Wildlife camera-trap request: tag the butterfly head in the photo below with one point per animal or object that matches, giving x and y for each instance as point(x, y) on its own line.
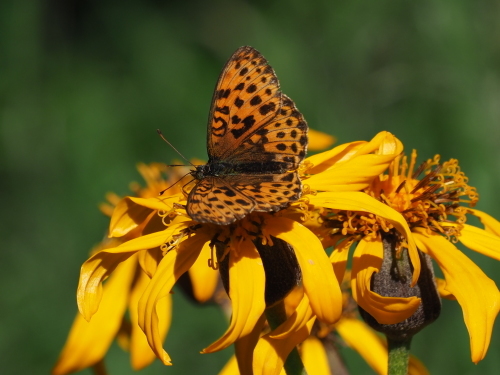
point(201, 171)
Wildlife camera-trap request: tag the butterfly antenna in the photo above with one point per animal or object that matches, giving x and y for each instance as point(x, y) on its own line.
point(175, 183)
point(170, 144)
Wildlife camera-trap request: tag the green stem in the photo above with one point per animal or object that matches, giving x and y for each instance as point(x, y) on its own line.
point(275, 316)
point(399, 356)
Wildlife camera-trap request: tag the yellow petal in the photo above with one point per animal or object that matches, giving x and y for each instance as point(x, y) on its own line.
point(295, 321)
point(231, 367)
point(314, 357)
point(443, 292)
point(360, 169)
point(246, 290)
point(271, 354)
point(318, 278)
point(491, 224)
point(475, 292)
point(416, 367)
point(319, 140)
point(173, 265)
point(386, 310)
point(132, 212)
point(358, 201)
point(101, 264)
point(480, 240)
point(141, 354)
point(324, 160)
point(244, 346)
point(358, 336)
point(88, 342)
point(339, 258)
point(203, 277)
point(126, 217)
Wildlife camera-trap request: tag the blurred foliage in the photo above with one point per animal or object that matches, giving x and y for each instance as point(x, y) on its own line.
point(84, 85)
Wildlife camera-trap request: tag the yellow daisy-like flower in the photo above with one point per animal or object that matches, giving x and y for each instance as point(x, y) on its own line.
point(432, 207)
point(176, 244)
point(88, 342)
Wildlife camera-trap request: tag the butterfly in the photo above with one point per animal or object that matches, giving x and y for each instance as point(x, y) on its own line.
point(256, 139)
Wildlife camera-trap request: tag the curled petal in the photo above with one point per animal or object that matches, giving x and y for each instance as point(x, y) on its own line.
point(173, 265)
point(491, 224)
point(315, 357)
point(475, 292)
point(355, 172)
point(246, 290)
point(126, 217)
point(88, 342)
point(141, 354)
point(386, 310)
point(203, 278)
point(358, 201)
point(480, 240)
point(443, 292)
point(320, 283)
point(324, 160)
point(319, 140)
point(102, 264)
point(270, 354)
point(295, 321)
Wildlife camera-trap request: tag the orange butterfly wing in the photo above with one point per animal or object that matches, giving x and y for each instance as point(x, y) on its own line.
point(256, 138)
point(226, 199)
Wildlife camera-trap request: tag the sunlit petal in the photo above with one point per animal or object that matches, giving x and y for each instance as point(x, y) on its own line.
point(358, 336)
point(386, 310)
point(244, 346)
point(360, 169)
point(443, 292)
point(246, 290)
point(88, 342)
point(231, 367)
point(295, 321)
point(203, 278)
point(141, 354)
point(320, 283)
point(314, 357)
point(475, 292)
point(480, 240)
point(491, 224)
point(339, 256)
point(101, 264)
point(271, 354)
point(358, 201)
point(173, 265)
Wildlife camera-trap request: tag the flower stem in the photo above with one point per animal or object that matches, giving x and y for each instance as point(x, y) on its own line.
point(275, 316)
point(399, 356)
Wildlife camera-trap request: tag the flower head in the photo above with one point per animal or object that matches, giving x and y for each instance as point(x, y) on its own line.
point(433, 207)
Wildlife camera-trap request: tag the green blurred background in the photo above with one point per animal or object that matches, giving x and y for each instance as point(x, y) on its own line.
point(85, 84)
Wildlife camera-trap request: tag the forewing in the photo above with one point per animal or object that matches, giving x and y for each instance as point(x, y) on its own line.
point(246, 97)
point(215, 201)
point(283, 139)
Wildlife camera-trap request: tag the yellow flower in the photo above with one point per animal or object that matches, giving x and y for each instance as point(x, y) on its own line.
point(318, 344)
point(175, 243)
point(432, 207)
point(88, 342)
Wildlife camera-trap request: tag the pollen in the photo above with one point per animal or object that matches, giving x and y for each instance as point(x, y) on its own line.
point(429, 196)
